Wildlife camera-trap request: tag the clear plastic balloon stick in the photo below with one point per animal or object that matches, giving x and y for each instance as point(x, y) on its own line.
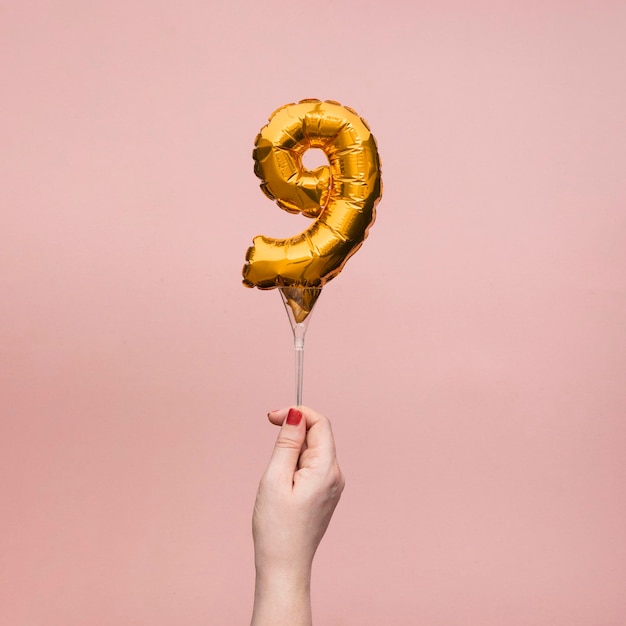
point(299, 330)
point(299, 303)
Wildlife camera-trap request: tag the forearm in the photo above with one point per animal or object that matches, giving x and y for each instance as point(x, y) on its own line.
point(282, 598)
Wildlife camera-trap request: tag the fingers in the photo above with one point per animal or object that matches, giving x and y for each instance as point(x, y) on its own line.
point(284, 460)
point(319, 435)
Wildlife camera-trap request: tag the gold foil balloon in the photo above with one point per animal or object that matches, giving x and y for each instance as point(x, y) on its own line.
point(341, 197)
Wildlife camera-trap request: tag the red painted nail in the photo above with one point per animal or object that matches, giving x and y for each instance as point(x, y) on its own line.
point(293, 417)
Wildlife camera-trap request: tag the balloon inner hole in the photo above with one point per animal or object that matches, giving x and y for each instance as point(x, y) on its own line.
point(314, 157)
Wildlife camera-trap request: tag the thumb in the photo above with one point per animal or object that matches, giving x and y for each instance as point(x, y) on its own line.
point(284, 460)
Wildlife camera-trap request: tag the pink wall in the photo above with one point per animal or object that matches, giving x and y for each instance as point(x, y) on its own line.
point(472, 355)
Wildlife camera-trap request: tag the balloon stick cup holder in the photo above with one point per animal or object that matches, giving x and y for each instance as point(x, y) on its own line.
point(299, 303)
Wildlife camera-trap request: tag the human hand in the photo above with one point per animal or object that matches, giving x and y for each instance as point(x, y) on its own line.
point(295, 501)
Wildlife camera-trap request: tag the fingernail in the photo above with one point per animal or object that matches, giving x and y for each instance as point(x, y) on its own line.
point(293, 417)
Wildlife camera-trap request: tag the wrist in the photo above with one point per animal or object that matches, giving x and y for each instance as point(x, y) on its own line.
point(289, 576)
point(289, 562)
point(282, 596)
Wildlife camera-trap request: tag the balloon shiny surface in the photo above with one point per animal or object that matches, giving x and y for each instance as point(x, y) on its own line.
point(340, 197)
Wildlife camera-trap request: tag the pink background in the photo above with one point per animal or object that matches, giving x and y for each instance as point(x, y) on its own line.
point(472, 355)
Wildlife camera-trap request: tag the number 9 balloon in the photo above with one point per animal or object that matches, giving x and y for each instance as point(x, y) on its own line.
point(341, 196)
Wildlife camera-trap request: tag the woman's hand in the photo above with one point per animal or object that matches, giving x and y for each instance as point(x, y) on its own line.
point(295, 501)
